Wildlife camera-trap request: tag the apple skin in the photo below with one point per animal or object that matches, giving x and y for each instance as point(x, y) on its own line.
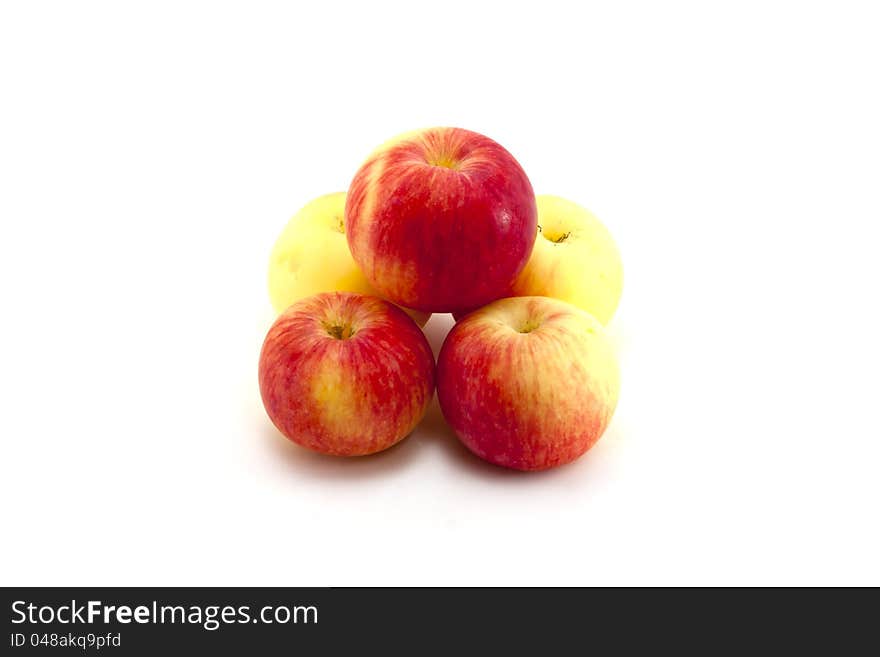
point(345, 374)
point(311, 255)
point(441, 219)
point(528, 383)
point(575, 259)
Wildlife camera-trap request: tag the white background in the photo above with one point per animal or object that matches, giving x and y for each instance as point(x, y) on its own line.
point(150, 153)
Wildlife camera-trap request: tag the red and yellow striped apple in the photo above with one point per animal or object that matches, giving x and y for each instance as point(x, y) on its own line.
point(311, 256)
point(345, 374)
point(528, 382)
point(441, 219)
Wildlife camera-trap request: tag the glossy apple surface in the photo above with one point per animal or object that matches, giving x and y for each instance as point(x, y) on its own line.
point(441, 219)
point(528, 383)
point(345, 374)
point(311, 255)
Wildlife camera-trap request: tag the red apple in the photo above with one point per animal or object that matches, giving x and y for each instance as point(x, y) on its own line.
point(441, 219)
point(528, 382)
point(345, 374)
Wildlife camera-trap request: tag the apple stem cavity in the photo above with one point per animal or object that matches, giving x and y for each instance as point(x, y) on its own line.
point(339, 331)
point(550, 238)
point(446, 164)
point(530, 325)
point(444, 161)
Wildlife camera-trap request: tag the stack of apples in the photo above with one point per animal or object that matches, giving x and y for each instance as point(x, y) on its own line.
point(443, 220)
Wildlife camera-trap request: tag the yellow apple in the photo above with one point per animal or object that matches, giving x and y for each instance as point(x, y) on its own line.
point(574, 259)
point(311, 256)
